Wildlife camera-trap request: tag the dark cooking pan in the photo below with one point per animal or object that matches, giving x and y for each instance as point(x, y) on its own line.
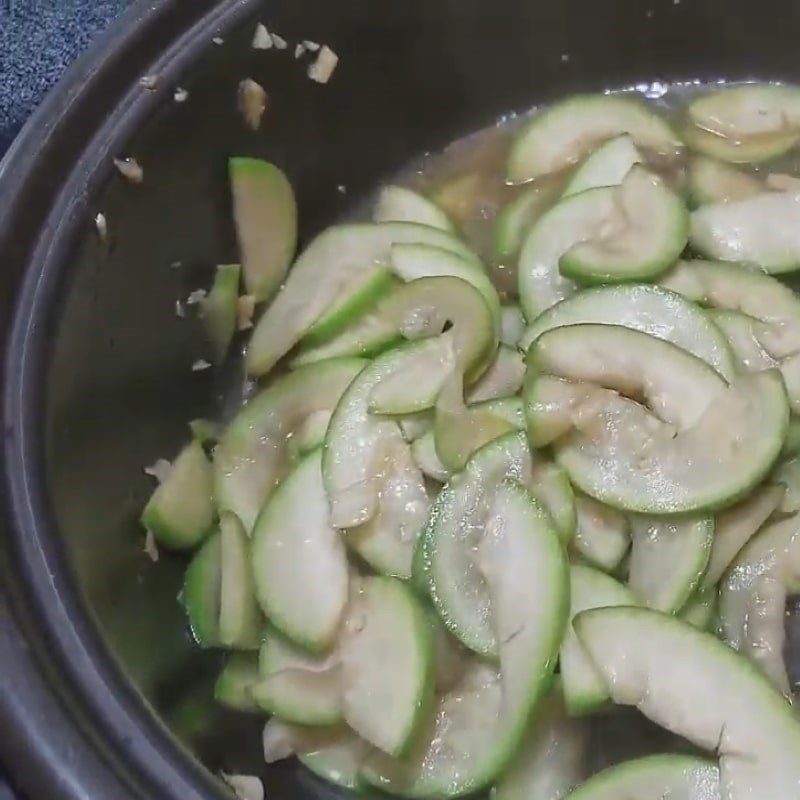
point(101, 693)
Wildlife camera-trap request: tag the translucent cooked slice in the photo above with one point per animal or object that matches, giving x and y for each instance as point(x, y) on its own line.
point(748, 123)
point(566, 131)
point(649, 309)
point(694, 685)
point(325, 272)
point(623, 458)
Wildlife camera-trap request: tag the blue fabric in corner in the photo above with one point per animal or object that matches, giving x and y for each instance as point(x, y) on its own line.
point(38, 40)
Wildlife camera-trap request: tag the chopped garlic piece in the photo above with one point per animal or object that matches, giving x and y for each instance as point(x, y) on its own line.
point(245, 787)
point(159, 469)
point(102, 226)
point(195, 297)
point(150, 82)
point(322, 69)
point(218, 40)
point(180, 311)
point(200, 365)
point(245, 306)
point(299, 50)
point(261, 38)
point(130, 168)
point(252, 102)
point(181, 95)
point(150, 546)
point(310, 46)
point(279, 42)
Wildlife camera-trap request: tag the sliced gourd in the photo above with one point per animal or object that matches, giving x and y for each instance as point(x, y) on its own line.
point(642, 237)
point(602, 534)
point(566, 131)
point(553, 406)
point(399, 204)
point(357, 442)
point(413, 426)
point(677, 386)
point(253, 453)
point(423, 451)
point(464, 348)
point(742, 333)
point(712, 181)
point(512, 325)
point(310, 434)
point(457, 524)
point(180, 513)
point(387, 665)
point(752, 597)
point(550, 487)
point(387, 540)
point(459, 431)
point(668, 559)
point(333, 752)
point(584, 688)
point(515, 219)
point(326, 271)
point(550, 761)
point(694, 685)
point(240, 621)
point(265, 213)
point(791, 444)
point(569, 222)
point(479, 725)
point(623, 457)
point(297, 687)
point(737, 288)
point(299, 559)
point(413, 261)
point(658, 777)
point(204, 431)
point(219, 309)
point(502, 378)
point(761, 230)
point(606, 166)
point(787, 478)
point(335, 755)
point(202, 590)
point(736, 526)
point(649, 309)
point(701, 610)
point(621, 233)
point(362, 294)
point(234, 683)
point(748, 123)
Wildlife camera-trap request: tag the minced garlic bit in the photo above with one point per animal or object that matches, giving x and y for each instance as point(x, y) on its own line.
point(218, 40)
point(299, 50)
point(180, 95)
point(130, 168)
point(195, 297)
point(101, 226)
point(252, 102)
point(279, 42)
point(322, 69)
point(150, 82)
point(245, 787)
point(783, 183)
point(312, 47)
point(150, 546)
point(180, 311)
point(245, 306)
point(158, 470)
point(175, 264)
point(261, 38)
point(200, 365)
